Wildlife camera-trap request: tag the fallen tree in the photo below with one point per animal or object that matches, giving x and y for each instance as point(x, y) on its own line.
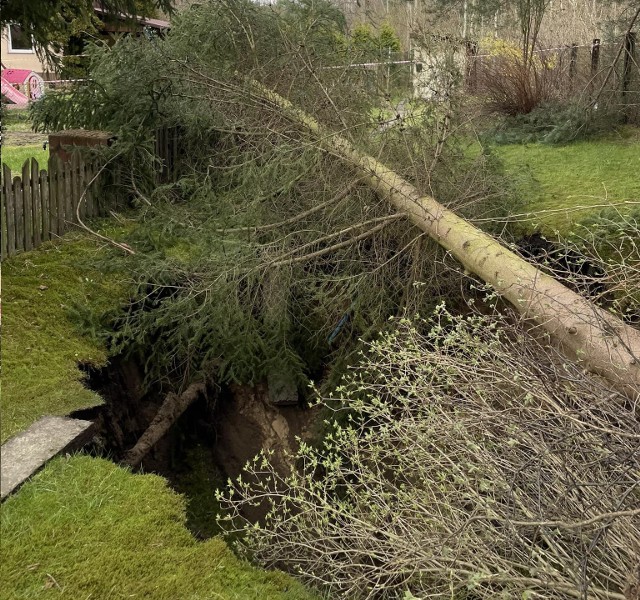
point(602, 343)
point(258, 144)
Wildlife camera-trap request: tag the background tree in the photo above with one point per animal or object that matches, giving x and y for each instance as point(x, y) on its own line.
point(367, 43)
point(52, 24)
point(525, 15)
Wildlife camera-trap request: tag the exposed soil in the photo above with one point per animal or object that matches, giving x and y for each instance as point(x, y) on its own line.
point(210, 442)
point(23, 138)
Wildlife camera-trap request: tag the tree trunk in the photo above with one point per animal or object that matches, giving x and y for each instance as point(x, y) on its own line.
point(168, 413)
point(602, 343)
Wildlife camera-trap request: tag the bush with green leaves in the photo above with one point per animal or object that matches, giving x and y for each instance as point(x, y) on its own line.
point(475, 462)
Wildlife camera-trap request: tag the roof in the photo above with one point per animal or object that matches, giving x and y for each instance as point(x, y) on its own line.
point(154, 23)
point(16, 75)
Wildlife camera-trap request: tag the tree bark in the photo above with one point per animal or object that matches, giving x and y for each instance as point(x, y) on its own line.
point(168, 413)
point(599, 341)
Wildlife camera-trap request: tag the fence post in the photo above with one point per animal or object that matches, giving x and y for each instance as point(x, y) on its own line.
point(93, 192)
point(19, 214)
point(27, 205)
point(4, 251)
point(86, 178)
point(43, 178)
point(3, 227)
point(573, 62)
point(9, 212)
point(67, 195)
point(59, 166)
point(76, 187)
point(36, 202)
point(53, 196)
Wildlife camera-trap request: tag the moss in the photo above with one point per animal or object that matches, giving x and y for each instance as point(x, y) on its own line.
point(85, 528)
point(41, 347)
point(585, 174)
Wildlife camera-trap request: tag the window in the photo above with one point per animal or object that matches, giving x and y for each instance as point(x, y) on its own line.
point(19, 41)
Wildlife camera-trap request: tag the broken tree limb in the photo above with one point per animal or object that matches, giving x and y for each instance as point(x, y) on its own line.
point(598, 340)
point(168, 413)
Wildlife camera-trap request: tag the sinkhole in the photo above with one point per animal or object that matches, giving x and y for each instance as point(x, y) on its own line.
point(221, 429)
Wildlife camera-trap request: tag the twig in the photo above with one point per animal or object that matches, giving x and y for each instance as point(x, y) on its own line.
point(137, 191)
point(82, 224)
point(348, 242)
point(340, 233)
point(340, 196)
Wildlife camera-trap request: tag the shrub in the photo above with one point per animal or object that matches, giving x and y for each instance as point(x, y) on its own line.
point(553, 123)
point(512, 86)
point(476, 464)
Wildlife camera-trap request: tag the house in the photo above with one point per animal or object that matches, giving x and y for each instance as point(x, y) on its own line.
point(18, 51)
point(22, 64)
point(22, 68)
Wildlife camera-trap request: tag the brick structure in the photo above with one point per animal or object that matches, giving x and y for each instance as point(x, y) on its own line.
point(61, 143)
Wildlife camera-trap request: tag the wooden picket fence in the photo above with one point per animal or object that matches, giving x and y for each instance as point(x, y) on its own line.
point(39, 205)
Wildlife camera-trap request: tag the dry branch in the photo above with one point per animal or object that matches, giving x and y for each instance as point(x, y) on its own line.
point(169, 412)
point(476, 458)
point(128, 249)
point(602, 343)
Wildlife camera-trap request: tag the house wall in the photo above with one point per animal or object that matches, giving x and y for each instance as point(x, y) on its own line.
point(19, 60)
point(438, 70)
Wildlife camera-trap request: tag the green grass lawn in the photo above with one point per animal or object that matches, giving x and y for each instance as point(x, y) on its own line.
point(16, 156)
point(13, 153)
point(84, 528)
point(574, 180)
point(16, 119)
point(41, 347)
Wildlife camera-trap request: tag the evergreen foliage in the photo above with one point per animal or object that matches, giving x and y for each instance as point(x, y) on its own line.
point(52, 24)
point(551, 123)
point(266, 255)
point(365, 43)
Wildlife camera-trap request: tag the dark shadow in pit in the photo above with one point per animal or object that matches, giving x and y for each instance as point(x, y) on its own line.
point(209, 443)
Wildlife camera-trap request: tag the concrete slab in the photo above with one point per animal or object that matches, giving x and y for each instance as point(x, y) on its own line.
point(26, 453)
